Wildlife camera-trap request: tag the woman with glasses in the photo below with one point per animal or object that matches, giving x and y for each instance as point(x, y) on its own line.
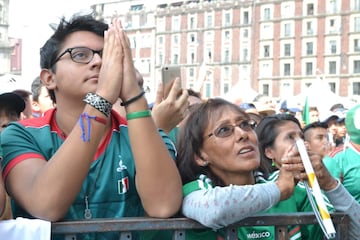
point(217, 158)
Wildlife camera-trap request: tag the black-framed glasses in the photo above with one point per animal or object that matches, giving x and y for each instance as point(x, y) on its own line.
point(80, 54)
point(227, 130)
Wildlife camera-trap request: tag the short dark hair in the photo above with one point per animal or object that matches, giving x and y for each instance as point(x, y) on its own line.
point(315, 125)
point(50, 50)
point(25, 94)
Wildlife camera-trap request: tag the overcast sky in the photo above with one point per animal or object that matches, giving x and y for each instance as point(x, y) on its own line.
point(29, 20)
point(40, 13)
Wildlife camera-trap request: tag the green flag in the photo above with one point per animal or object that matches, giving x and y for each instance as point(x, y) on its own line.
point(305, 112)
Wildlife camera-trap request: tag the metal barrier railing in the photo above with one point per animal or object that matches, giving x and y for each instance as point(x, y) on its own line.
point(128, 225)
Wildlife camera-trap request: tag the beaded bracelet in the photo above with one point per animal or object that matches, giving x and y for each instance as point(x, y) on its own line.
point(131, 100)
point(140, 114)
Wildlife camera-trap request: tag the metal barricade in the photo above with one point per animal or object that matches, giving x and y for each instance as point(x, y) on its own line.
point(128, 225)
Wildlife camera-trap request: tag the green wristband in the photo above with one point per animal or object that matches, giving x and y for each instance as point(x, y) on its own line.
point(140, 114)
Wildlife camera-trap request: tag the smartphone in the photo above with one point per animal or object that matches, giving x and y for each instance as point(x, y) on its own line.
point(168, 75)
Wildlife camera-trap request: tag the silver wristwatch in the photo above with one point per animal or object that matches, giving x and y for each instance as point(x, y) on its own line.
point(99, 103)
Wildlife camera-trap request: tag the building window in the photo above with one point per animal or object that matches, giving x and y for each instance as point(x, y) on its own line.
point(137, 7)
point(287, 29)
point(191, 72)
point(287, 49)
point(192, 38)
point(265, 88)
point(209, 21)
point(175, 59)
point(357, 66)
point(207, 89)
point(266, 51)
point(227, 20)
point(227, 35)
point(356, 88)
point(357, 5)
point(209, 36)
point(176, 23)
point(132, 40)
point(245, 54)
point(332, 86)
point(209, 55)
point(357, 44)
point(309, 29)
point(226, 55)
point(245, 33)
point(226, 87)
point(309, 68)
point(287, 69)
point(265, 70)
point(226, 72)
point(310, 9)
point(357, 24)
point(309, 48)
point(192, 22)
point(266, 13)
point(161, 40)
point(332, 6)
point(333, 47)
point(332, 26)
point(332, 67)
point(176, 39)
point(246, 17)
point(160, 58)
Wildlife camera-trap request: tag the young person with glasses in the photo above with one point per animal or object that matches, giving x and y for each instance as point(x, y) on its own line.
point(82, 160)
point(218, 156)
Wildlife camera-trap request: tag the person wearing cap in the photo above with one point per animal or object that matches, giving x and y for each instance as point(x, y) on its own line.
point(251, 110)
point(11, 106)
point(344, 164)
point(340, 132)
point(330, 121)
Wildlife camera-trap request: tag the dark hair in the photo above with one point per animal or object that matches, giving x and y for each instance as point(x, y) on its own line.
point(190, 138)
point(193, 93)
point(313, 109)
point(23, 93)
point(267, 131)
point(50, 50)
point(36, 88)
point(315, 125)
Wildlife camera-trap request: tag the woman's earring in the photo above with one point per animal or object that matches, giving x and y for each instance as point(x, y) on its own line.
point(205, 164)
point(272, 163)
